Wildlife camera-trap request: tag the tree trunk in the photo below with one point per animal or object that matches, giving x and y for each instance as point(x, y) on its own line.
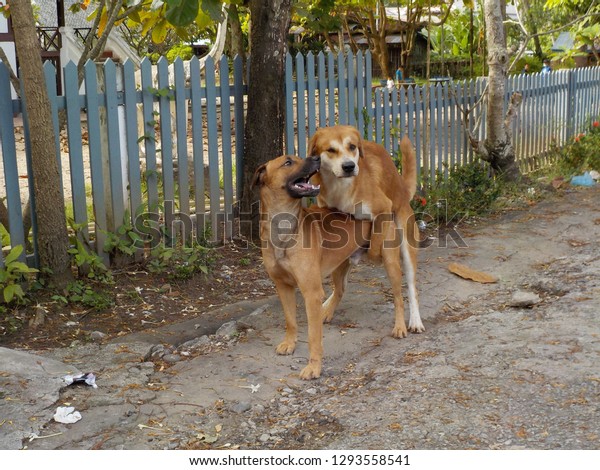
point(497, 149)
point(266, 99)
point(52, 235)
point(237, 37)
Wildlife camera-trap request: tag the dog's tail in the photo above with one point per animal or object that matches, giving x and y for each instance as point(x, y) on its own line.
point(409, 165)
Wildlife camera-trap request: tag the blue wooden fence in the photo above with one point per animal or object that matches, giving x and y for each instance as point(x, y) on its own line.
point(163, 146)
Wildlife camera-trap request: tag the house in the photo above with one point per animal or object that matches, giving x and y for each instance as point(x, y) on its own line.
point(565, 43)
point(62, 34)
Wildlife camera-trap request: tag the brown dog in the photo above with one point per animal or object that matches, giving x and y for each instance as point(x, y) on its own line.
point(359, 177)
point(301, 247)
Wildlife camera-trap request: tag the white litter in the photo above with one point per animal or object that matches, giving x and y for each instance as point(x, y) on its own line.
point(88, 378)
point(66, 415)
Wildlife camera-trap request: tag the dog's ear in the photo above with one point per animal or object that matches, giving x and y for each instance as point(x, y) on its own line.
point(259, 175)
point(360, 145)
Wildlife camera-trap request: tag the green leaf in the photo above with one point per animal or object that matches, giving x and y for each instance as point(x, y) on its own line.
point(14, 254)
point(19, 267)
point(12, 290)
point(181, 12)
point(159, 33)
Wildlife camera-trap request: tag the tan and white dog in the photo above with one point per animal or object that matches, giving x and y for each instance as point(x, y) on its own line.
point(358, 177)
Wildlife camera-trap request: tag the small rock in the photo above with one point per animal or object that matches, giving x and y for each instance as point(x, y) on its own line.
point(171, 358)
point(241, 407)
point(164, 289)
point(196, 343)
point(311, 391)
point(227, 329)
point(264, 438)
point(259, 408)
point(39, 318)
point(97, 336)
point(71, 323)
point(524, 299)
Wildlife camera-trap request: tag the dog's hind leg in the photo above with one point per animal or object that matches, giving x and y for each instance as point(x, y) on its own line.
point(409, 257)
point(287, 295)
point(340, 280)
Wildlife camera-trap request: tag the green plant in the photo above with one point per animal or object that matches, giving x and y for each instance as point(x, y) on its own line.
point(467, 191)
point(180, 262)
point(85, 294)
point(12, 274)
point(583, 154)
point(88, 263)
point(125, 240)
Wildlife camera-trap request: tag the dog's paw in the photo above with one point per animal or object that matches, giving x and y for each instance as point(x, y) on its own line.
point(311, 371)
point(285, 348)
point(327, 317)
point(400, 332)
point(418, 328)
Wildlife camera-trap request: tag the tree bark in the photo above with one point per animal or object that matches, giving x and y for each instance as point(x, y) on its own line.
point(52, 234)
point(266, 99)
point(237, 37)
point(497, 149)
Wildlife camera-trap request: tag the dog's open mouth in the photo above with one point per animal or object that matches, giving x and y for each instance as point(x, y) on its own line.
point(302, 187)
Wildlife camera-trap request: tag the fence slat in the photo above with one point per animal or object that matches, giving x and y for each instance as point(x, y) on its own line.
point(342, 90)
point(75, 147)
point(301, 105)
point(322, 84)
point(226, 146)
point(197, 146)
point(181, 120)
point(130, 100)
point(290, 88)
point(238, 84)
point(360, 95)
point(114, 145)
point(92, 104)
point(311, 94)
point(213, 145)
point(11, 172)
point(331, 89)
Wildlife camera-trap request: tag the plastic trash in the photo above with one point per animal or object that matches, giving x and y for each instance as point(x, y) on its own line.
point(88, 378)
point(583, 180)
point(422, 225)
point(66, 415)
point(595, 174)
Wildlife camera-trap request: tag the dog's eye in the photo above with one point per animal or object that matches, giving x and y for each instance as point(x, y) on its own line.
point(287, 163)
point(331, 150)
point(352, 147)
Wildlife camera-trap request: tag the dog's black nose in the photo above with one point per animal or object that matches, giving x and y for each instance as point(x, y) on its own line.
point(348, 167)
point(315, 158)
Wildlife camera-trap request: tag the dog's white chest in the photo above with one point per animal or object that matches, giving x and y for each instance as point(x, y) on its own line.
point(341, 197)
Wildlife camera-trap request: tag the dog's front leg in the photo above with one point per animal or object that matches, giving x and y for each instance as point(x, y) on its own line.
point(287, 296)
point(313, 298)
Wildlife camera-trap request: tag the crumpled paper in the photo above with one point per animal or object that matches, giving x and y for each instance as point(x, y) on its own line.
point(66, 415)
point(88, 378)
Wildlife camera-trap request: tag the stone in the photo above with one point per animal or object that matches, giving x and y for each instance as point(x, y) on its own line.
point(171, 358)
point(97, 336)
point(228, 329)
point(264, 438)
point(524, 299)
point(241, 407)
point(196, 343)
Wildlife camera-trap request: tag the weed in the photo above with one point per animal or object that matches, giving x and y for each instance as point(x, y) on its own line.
point(84, 294)
point(581, 155)
point(468, 191)
point(13, 274)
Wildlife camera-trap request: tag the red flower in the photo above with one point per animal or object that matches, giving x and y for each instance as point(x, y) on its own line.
point(423, 201)
point(596, 124)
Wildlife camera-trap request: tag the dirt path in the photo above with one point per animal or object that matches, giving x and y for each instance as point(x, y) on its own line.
point(484, 374)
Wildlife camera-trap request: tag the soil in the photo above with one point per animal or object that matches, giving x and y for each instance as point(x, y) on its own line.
point(142, 301)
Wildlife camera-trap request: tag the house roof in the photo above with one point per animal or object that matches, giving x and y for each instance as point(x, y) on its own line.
point(47, 15)
point(564, 42)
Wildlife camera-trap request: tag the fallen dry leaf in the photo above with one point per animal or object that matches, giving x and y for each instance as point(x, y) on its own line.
point(468, 273)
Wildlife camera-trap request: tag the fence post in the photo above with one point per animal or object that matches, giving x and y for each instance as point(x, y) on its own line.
point(571, 89)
